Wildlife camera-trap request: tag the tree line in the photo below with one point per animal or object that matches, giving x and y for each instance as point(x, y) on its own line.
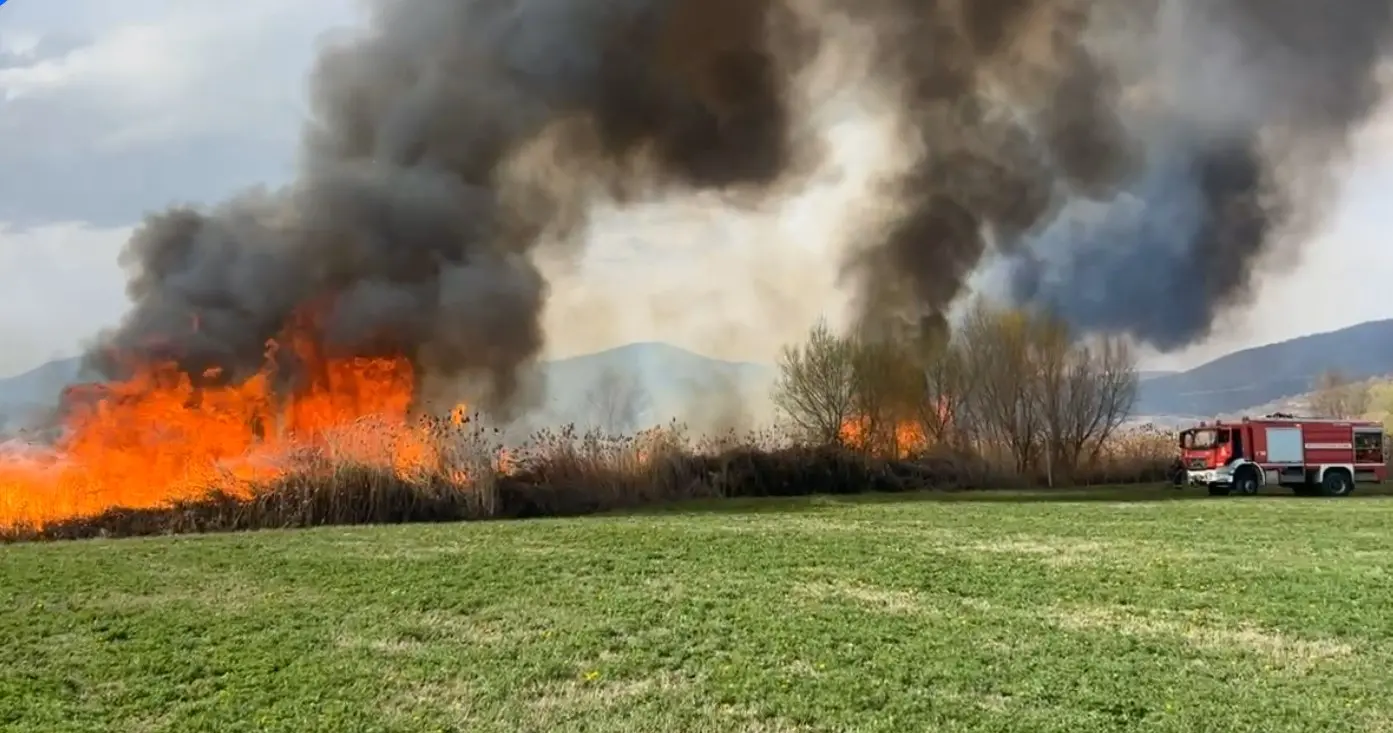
point(1011, 387)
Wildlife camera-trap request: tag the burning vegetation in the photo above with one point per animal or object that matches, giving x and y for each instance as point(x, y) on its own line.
point(1009, 388)
point(162, 435)
point(341, 440)
point(284, 335)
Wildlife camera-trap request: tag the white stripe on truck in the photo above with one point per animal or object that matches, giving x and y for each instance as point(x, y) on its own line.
point(1329, 446)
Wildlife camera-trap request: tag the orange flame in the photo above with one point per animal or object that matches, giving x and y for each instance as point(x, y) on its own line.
point(158, 437)
point(907, 436)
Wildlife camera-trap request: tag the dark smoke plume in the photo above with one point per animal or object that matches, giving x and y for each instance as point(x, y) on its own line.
point(409, 228)
point(1007, 107)
point(1252, 105)
point(1131, 163)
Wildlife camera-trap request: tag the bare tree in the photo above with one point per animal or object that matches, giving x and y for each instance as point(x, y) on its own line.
point(1054, 389)
point(1116, 384)
point(615, 403)
point(1339, 396)
point(1008, 382)
point(1088, 389)
point(816, 387)
point(1000, 352)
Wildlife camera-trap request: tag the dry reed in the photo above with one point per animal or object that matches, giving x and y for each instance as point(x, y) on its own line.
point(452, 470)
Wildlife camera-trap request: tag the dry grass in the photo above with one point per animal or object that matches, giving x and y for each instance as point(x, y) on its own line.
point(1142, 454)
point(881, 599)
point(1277, 648)
point(457, 471)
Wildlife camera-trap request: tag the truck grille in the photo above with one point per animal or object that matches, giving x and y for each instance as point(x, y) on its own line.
point(1196, 464)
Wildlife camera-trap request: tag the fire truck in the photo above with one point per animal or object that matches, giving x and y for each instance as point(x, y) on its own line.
point(1311, 456)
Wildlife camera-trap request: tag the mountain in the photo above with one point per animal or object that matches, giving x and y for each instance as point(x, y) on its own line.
point(39, 385)
point(35, 391)
point(1265, 374)
point(668, 382)
point(664, 382)
point(659, 382)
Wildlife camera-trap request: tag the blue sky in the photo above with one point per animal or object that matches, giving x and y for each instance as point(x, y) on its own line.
point(111, 109)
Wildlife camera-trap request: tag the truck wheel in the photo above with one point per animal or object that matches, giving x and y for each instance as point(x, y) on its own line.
point(1217, 490)
point(1245, 483)
point(1336, 483)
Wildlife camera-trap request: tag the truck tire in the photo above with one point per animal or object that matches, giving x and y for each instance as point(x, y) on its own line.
point(1245, 482)
point(1218, 490)
point(1337, 482)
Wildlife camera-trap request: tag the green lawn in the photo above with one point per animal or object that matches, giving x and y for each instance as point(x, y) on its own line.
point(998, 614)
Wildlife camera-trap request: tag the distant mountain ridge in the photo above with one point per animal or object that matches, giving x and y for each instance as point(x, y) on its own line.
point(1264, 374)
point(674, 383)
point(677, 383)
point(35, 391)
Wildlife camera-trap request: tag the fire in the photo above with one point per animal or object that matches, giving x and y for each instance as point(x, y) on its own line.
point(906, 436)
point(159, 437)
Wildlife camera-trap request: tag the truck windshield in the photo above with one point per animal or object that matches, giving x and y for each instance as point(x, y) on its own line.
point(1201, 439)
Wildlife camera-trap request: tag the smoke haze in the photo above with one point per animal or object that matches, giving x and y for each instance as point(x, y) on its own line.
point(1106, 158)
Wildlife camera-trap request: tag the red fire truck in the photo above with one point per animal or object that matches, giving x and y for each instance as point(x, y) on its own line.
point(1312, 456)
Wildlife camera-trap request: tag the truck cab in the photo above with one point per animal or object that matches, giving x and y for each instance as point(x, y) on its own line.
point(1209, 448)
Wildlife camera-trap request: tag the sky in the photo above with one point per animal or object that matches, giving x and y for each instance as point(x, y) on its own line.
point(110, 110)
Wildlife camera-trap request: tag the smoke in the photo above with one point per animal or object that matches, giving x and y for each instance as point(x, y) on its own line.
point(1004, 107)
point(1129, 165)
point(448, 143)
point(1245, 110)
point(1132, 167)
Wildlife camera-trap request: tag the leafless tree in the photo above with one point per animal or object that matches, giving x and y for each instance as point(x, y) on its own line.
point(1338, 396)
point(1037, 392)
point(1053, 388)
point(1008, 383)
point(615, 403)
point(816, 387)
point(1087, 390)
point(999, 351)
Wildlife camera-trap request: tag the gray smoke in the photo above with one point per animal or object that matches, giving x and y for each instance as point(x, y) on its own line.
point(1246, 111)
point(446, 143)
point(1131, 162)
point(1129, 165)
point(1008, 108)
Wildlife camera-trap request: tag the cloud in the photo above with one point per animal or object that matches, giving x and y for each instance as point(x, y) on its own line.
point(186, 69)
point(61, 285)
point(111, 109)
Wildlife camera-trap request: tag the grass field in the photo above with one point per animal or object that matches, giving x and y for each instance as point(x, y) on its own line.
point(982, 613)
